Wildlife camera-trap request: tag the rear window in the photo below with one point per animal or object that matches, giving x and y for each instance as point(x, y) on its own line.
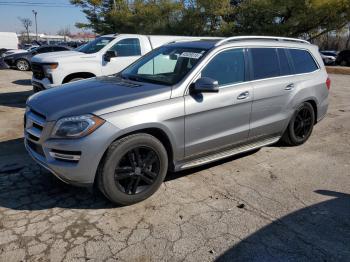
point(265, 63)
point(303, 61)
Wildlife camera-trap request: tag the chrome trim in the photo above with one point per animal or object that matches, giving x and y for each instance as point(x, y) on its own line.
point(36, 119)
point(259, 38)
point(65, 156)
point(34, 132)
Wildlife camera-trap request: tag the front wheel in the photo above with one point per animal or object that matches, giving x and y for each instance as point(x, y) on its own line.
point(22, 65)
point(300, 126)
point(133, 169)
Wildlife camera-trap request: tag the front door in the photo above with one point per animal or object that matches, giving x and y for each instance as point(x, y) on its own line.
point(218, 120)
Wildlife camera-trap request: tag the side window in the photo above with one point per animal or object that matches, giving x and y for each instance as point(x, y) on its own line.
point(127, 47)
point(284, 63)
point(44, 50)
point(59, 48)
point(265, 63)
point(303, 61)
point(227, 67)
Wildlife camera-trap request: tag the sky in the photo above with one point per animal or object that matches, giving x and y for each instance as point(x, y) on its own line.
point(52, 15)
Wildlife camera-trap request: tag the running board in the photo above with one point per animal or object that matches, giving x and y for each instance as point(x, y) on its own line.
point(228, 153)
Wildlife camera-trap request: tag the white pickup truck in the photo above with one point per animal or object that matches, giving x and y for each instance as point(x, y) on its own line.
point(106, 55)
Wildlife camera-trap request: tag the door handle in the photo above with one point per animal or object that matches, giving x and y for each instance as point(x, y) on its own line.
point(289, 87)
point(243, 95)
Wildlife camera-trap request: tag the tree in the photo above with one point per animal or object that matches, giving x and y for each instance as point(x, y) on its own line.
point(294, 18)
point(26, 22)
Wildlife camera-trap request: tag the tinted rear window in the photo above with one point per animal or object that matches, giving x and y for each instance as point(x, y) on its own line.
point(265, 63)
point(303, 61)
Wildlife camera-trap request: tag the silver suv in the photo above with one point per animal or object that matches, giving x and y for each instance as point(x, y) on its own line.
point(182, 105)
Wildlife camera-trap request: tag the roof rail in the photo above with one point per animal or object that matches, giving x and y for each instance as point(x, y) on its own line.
point(190, 39)
point(276, 38)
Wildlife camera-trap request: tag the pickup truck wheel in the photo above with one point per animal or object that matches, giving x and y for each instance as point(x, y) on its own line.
point(133, 169)
point(300, 126)
point(22, 65)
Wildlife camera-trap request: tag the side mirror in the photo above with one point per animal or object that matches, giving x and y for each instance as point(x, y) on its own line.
point(206, 85)
point(34, 53)
point(109, 54)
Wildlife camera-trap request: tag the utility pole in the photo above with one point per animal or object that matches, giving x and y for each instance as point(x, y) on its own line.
point(36, 25)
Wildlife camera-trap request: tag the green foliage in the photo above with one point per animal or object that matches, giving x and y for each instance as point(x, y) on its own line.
point(308, 18)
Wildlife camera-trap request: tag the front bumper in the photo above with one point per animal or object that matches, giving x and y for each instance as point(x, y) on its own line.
point(78, 172)
point(3, 64)
point(42, 84)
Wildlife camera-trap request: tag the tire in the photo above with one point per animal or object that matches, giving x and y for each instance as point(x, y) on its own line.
point(141, 160)
point(22, 65)
point(300, 126)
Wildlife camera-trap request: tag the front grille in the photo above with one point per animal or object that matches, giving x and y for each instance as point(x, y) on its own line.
point(38, 71)
point(36, 148)
point(34, 125)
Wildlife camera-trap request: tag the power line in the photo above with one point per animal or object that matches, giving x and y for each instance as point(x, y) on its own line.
point(37, 4)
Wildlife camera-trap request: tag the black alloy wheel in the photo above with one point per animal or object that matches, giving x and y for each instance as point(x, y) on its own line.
point(137, 170)
point(132, 169)
point(303, 123)
point(300, 126)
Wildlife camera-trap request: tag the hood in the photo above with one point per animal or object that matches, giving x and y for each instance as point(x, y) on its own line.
point(97, 96)
point(58, 56)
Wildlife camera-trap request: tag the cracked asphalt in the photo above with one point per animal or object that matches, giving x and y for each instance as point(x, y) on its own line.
point(275, 204)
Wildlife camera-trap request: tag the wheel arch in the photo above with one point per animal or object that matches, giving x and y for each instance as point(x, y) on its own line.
point(156, 131)
point(78, 74)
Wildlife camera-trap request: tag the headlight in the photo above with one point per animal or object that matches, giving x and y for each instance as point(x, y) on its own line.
point(50, 66)
point(76, 126)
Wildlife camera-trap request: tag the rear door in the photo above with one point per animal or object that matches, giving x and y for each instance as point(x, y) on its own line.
point(217, 120)
point(274, 86)
point(278, 75)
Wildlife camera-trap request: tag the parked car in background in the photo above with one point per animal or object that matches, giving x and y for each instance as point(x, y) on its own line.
point(328, 57)
point(8, 41)
point(182, 105)
point(17, 51)
point(343, 58)
point(106, 55)
point(21, 61)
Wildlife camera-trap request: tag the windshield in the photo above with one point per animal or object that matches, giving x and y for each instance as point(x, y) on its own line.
point(166, 65)
point(96, 45)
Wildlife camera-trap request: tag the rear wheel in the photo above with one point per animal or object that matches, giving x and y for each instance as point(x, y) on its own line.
point(133, 169)
point(22, 65)
point(300, 126)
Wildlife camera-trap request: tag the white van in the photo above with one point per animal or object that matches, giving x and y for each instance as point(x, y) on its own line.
point(106, 55)
point(8, 41)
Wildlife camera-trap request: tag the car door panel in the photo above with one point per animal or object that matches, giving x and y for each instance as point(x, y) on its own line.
point(216, 120)
point(272, 106)
point(273, 85)
point(121, 61)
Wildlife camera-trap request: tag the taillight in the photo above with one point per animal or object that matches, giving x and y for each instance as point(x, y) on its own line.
point(328, 83)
